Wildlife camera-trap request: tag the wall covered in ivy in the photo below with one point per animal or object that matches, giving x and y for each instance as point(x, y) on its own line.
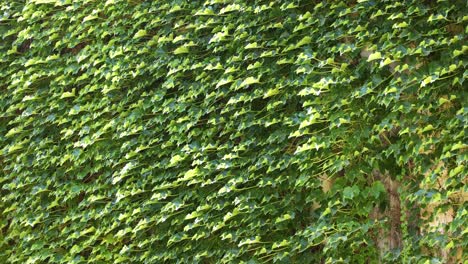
point(233, 131)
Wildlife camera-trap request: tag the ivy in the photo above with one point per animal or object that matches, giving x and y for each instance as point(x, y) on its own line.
point(233, 131)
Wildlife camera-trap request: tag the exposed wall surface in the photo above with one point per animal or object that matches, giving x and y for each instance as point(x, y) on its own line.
point(233, 131)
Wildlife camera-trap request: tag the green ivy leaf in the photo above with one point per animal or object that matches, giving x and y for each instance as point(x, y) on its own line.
point(350, 192)
point(375, 56)
point(181, 50)
point(140, 33)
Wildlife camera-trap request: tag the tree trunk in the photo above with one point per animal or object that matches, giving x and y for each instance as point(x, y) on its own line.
point(390, 237)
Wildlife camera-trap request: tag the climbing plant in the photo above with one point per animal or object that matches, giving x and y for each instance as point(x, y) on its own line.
point(225, 131)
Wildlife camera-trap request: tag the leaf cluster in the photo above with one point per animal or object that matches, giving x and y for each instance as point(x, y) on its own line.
point(203, 131)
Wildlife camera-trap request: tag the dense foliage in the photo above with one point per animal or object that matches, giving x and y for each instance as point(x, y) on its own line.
point(229, 131)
